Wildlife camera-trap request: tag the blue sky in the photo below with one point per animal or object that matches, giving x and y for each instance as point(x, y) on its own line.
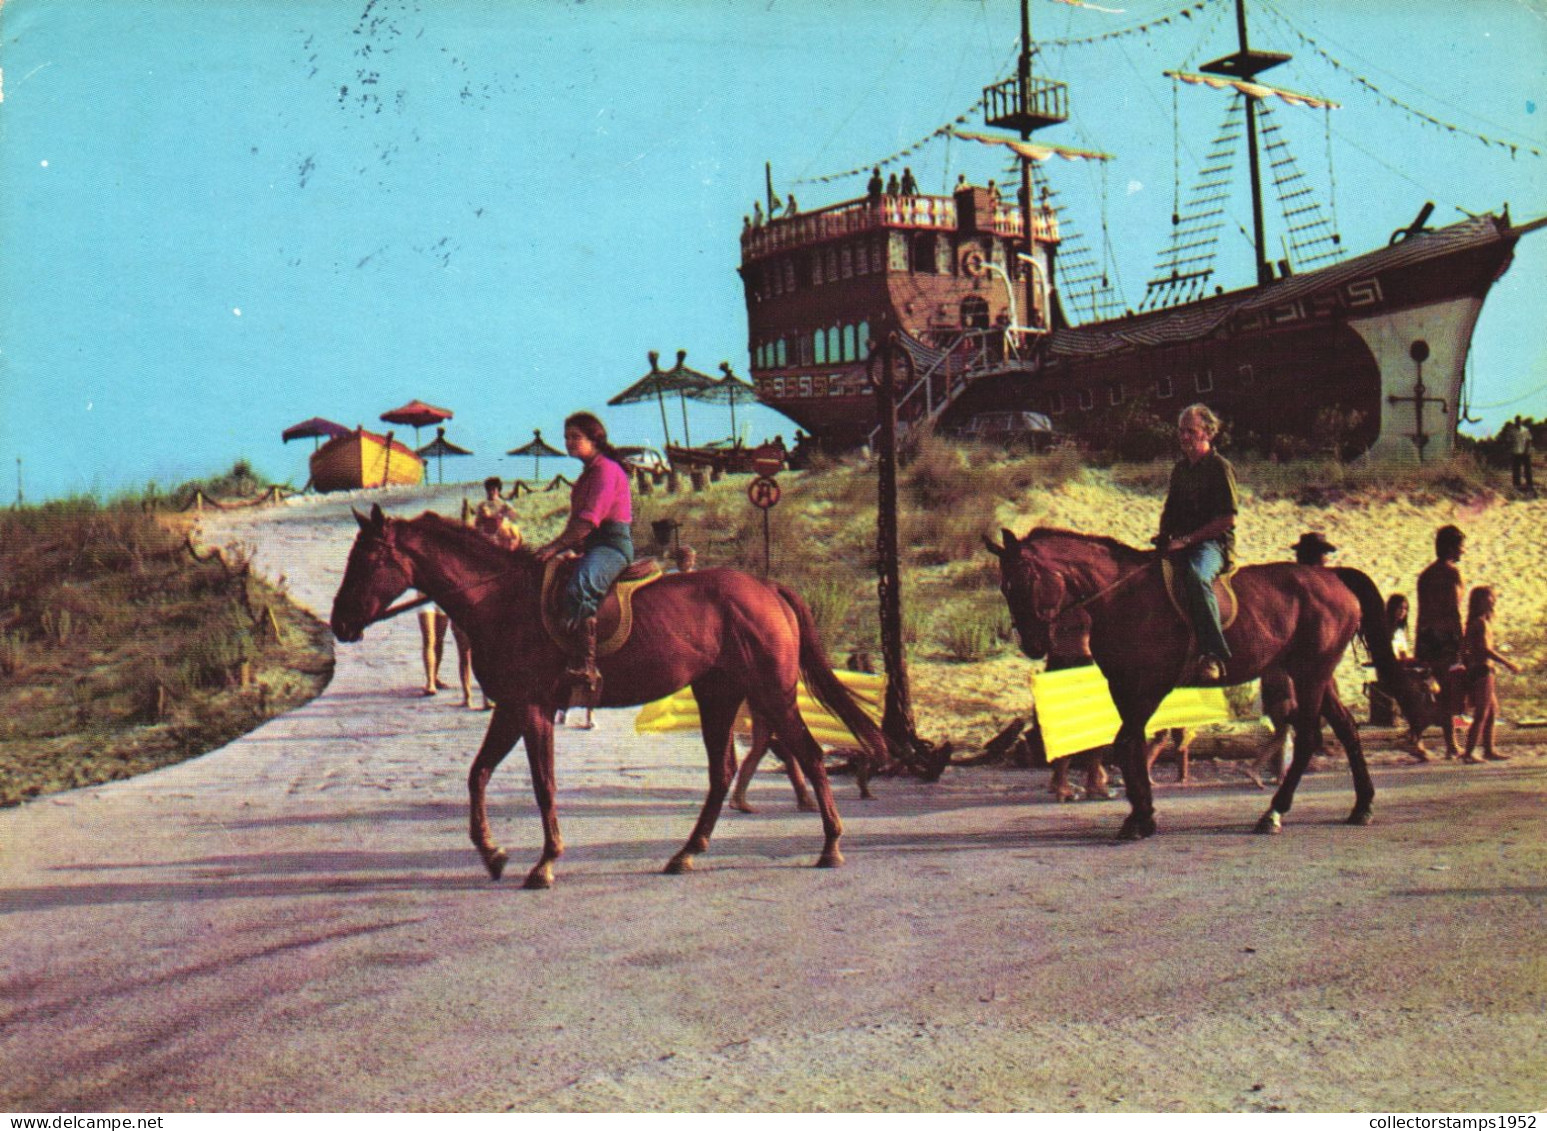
point(221, 217)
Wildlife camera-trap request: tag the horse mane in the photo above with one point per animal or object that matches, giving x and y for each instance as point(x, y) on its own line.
point(1120, 550)
point(476, 545)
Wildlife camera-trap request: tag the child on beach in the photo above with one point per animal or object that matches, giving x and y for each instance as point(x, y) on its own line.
point(1479, 656)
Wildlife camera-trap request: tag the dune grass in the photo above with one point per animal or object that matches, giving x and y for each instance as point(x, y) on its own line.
point(119, 652)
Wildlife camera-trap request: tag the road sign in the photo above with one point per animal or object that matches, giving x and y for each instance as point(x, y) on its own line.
point(768, 460)
point(763, 492)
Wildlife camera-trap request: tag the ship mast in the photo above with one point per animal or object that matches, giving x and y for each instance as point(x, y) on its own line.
point(1025, 105)
point(1245, 65)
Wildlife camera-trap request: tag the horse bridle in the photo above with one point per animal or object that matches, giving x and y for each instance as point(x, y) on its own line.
point(422, 600)
point(1058, 612)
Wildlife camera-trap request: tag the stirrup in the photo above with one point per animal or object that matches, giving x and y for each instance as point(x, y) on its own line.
point(1211, 670)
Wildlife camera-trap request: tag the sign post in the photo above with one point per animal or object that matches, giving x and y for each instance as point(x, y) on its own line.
point(764, 493)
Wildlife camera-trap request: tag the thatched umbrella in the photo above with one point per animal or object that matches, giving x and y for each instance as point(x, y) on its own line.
point(655, 384)
point(727, 390)
point(440, 448)
point(536, 449)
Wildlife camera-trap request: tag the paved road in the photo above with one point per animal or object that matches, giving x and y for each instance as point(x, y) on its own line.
point(297, 922)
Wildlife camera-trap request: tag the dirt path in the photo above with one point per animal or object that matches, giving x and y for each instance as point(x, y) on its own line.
point(297, 922)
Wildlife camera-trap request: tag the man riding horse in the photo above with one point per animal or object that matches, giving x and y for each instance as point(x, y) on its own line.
point(1197, 528)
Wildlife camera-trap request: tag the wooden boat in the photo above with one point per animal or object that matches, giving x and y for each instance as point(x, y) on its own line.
point(970, 284)
point(364, 459)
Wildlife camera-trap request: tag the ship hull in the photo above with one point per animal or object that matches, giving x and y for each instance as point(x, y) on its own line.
point(364, 459)
point(1369, 355)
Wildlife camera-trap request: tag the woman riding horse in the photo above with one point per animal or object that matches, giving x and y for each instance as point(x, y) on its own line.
point(731, 637)
point(601, 511)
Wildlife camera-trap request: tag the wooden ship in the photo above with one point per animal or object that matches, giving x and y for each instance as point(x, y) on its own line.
point(969, 284)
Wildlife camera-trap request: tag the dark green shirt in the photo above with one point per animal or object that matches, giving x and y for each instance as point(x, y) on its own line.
point(1200, 492)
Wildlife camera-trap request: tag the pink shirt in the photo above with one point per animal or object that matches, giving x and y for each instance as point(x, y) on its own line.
point(602, 493)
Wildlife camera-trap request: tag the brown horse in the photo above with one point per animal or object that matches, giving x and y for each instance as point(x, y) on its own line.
point(1300, 617)
point(728, 635)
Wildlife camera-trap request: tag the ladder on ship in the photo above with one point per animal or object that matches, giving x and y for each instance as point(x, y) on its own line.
point(943, 374)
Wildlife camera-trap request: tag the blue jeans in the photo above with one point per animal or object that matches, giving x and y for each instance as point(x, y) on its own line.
point(1199, 566)
point(605, 553)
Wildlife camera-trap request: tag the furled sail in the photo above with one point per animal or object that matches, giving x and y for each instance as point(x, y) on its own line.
point(1254, 89)
point(1034, 151)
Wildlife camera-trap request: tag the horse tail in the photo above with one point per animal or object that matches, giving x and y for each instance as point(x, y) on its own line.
point(828, 689)
point(1376, 634)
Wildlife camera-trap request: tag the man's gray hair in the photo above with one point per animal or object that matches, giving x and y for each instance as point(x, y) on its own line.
point(1203, 414)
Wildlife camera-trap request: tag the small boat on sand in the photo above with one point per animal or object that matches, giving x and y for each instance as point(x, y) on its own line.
point(364, 459)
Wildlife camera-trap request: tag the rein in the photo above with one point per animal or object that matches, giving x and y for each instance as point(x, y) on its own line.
point(1080, 604)
point(417, 602)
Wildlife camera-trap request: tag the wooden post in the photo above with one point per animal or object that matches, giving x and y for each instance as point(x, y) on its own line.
point(897, 721)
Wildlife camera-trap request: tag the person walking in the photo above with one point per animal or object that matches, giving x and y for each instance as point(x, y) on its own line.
point(1439, 633)
point(1479, 656)
point(1197, 530)
point(1520, 456)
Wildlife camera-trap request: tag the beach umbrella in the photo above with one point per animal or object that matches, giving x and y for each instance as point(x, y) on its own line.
point(536, 449)
point(727, 390)
point(418, 415)
point(315, 428)
point(655, 384)
point(440, 448)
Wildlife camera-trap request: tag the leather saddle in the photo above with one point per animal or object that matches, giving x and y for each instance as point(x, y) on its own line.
point(1224, 594)
point(615, 617)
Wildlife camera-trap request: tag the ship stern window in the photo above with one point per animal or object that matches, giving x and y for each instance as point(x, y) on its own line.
point(1087, 399)
point(1055, 405)
point(1204, 382)
point(846, 262)
point(789, 275)
point(1163, 388)
point(863, 340)
point(779, 358)
point(819, 346)
point(850, 351)
point(831, 258)
point(1115, 394)
point(974, 313)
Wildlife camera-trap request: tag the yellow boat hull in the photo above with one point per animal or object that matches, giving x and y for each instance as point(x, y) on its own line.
point(364, 459)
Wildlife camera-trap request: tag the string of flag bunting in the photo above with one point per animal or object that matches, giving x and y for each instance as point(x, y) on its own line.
point(961, 119)
point(1515, 148)
point(1186, 13)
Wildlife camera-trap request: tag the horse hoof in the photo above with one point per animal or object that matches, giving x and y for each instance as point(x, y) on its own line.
point(833, 859)
point(539, 878)
point(1359, 817)
point(1270, 824)
point(495, 862)
point(679, 864)
point(1134, 829)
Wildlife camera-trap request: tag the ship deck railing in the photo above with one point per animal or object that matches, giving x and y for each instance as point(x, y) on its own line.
point(864, 215)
